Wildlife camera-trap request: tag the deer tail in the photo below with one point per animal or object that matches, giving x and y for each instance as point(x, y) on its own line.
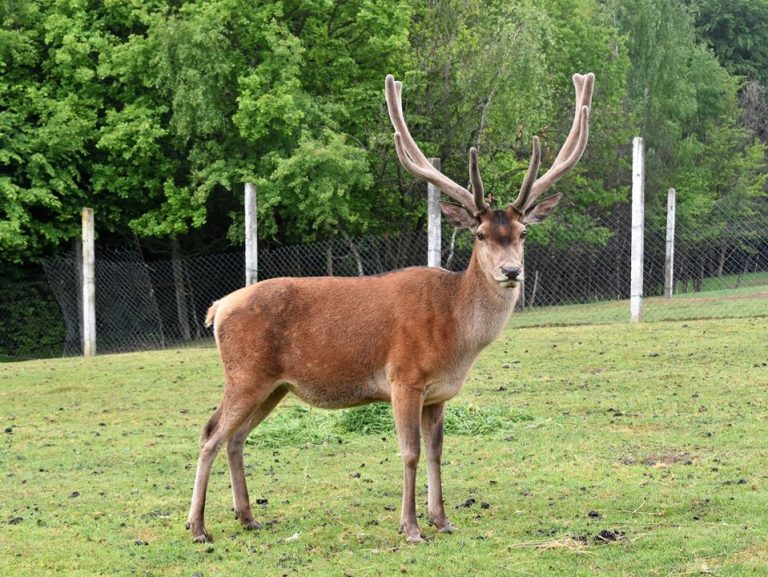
point(211, 314)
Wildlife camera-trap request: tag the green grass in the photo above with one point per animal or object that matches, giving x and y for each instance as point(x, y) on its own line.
point(300, 424)
point(735, 281)
point(596, 450)
point(745, 302)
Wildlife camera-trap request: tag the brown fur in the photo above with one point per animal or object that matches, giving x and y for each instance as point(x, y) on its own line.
point(210, 426)
point(408, 337)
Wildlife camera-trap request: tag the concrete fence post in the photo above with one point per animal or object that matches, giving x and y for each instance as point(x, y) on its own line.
point(669, 261)
point(638, 226)
point(88, 322)
point(434, 222)
point(251, 236)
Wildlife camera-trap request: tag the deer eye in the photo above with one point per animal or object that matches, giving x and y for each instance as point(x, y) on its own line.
point(480, 236)
point(522, 234)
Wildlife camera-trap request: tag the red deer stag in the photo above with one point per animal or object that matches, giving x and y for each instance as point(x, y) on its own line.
point(408, 337)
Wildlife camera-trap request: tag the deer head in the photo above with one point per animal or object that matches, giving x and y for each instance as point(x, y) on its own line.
point(499, 233)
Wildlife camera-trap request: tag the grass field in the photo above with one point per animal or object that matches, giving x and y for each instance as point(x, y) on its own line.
point(603, 449)
point(734, 281)
point(748, 301)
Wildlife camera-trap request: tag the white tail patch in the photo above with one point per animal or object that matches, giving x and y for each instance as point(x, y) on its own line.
point(211, 314)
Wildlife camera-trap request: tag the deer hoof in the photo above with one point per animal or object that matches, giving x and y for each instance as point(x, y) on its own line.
point(199, 534)
point(412, 535)
point(443, 525)
point(414, 538)
point(447, 528)
point(251, 525)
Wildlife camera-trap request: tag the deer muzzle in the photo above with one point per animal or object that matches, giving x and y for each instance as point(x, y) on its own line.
point(509, 275)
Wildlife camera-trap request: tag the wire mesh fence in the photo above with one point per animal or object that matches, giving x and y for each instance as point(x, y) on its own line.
point(719, 271)
point(153, 304)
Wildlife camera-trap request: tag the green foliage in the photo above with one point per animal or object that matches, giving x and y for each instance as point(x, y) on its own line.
point(299, 425)
point(32, 324)
point(737, 31)
point(155, 114)
point(686, 105)
point(325, 183)
point(495, 74)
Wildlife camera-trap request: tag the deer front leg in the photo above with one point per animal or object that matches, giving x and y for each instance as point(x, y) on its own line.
point(242, 503)
point(432, 419)
point(406, 409)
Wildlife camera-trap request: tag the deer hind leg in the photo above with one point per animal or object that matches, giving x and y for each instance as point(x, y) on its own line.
point(406, 409)
point(432, 420)
point(228, 418)
point(242, 503)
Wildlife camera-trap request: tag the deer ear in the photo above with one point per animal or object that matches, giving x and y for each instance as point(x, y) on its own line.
point(459, 216)
point(541, 210)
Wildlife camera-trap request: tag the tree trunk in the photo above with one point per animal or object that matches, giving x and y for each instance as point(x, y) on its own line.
point(181, 292)
point(452, 248)
point(699, 280)
point(355, 254)
point(329, 258)
point(532, 300)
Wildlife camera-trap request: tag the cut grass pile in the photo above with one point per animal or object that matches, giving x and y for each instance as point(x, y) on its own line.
point(610, 450)
point(300, 424)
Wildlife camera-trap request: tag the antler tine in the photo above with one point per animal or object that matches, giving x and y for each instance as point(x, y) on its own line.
point(572, 148)
point(413, 159)
point(583, 85)
point(477, 182)
point(530, 176)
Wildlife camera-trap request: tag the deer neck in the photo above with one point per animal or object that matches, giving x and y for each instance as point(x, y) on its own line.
point(484, 307)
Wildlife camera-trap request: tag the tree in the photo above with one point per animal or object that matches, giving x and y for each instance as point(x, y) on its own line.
point(493, 74)
point(737, 31)
point(47, 121)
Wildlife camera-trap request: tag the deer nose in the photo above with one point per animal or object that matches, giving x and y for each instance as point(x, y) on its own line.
point(511, 272)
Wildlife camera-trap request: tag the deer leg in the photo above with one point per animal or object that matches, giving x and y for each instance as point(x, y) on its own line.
point(230, 415)
point(242, 503)
point(406, 408)
point(432, 419)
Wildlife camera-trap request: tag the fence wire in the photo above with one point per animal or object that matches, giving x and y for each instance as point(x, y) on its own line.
point(719, 271)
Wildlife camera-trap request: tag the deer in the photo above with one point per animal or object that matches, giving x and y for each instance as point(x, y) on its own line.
point(407, 337)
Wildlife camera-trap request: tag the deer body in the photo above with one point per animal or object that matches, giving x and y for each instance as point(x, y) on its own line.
point(408, 337)
point(349, 354)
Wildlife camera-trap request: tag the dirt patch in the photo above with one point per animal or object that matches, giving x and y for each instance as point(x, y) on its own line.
point(633, 429)
point(757, 555)
point(609, 536)
point(668, 459)
point(578, 543)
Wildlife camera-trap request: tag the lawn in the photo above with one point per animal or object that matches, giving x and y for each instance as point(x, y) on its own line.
point(743, 302)
point(602, 449)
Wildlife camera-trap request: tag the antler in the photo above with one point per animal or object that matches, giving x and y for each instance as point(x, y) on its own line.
point(414, 161)
point(569, 154)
